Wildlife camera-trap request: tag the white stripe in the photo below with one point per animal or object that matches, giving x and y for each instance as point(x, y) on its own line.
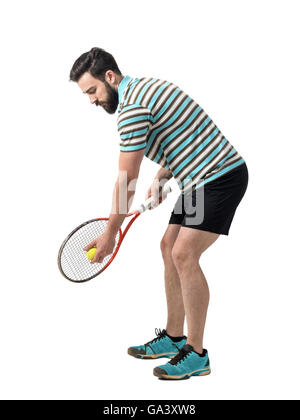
point(163, 98)
point(237, 156)
point(151, 90)
point(166, 131)
point(206, 170)
point(198, 178)
point(135, 139)
point(217, 158)
point(163, 162)
point(133, 113)
point(171, 110)
point(137, 89)
point(125, 128)
point(132, 142)
point(196, 141)
point(196, 124)
point(204, 155)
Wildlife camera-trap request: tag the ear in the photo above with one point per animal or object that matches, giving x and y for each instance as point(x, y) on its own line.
point(110, 77)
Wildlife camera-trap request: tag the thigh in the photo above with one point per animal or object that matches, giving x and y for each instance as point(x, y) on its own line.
point(193, 242)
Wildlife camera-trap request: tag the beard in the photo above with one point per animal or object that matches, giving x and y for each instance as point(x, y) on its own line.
point(112, 102)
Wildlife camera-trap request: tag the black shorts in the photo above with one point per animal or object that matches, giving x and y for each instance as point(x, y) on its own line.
point(212, 207)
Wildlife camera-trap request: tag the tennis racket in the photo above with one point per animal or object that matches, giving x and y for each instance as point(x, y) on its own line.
point(72, 260)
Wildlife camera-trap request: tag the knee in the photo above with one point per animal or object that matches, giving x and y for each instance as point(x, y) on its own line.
point(166, 247)
point(184, 258)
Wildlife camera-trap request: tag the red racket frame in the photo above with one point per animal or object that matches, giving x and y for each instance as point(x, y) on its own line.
point(121, 237)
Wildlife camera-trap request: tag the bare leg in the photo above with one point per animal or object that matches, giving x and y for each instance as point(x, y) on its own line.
point(175, 306)
point(189, 246)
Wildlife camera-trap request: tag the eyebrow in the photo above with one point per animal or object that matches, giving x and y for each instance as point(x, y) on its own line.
point(92, 87)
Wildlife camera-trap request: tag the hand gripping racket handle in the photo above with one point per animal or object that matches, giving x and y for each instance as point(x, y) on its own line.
point(148, 203)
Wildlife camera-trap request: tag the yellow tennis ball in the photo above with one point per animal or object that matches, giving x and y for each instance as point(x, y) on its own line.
point(91, 253)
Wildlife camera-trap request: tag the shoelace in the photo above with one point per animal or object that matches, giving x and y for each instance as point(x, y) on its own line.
point(159, 335)
point(180, 356)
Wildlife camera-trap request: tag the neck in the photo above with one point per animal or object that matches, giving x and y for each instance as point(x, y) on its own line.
point(119, 78)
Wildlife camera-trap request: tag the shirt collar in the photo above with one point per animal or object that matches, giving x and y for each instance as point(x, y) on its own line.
point(122, 86)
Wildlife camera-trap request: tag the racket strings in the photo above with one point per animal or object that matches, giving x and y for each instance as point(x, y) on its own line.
point(73, 260)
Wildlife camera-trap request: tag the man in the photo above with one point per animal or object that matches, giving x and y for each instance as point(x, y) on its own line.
point(158, 120)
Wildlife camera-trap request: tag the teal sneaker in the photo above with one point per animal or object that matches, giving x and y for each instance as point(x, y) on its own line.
point(161, 346)
point(187, 363)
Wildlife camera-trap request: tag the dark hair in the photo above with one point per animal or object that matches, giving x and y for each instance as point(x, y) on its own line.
point(96, 61)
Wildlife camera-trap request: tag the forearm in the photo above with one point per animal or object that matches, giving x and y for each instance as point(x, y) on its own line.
point(123, 194)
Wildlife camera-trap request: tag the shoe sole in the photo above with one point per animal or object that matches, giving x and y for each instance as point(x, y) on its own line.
point(185, 376)
point(151, 356)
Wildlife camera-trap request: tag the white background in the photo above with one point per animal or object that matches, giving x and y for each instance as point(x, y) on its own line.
point(240, 61)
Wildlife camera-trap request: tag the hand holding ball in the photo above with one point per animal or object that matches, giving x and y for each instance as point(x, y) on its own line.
point(91, 253)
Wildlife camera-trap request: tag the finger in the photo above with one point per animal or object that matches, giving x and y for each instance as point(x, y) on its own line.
point(155, 188)
point(90, 245)
point(148, 195)
point(151, 202)
point(98, 258)
point(95, 260)
point(155, 201)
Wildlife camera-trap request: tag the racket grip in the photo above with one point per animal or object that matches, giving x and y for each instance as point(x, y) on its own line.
point(148, 203)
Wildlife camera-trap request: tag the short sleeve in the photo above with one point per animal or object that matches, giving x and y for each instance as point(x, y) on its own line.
point(163, 162)
point(134, 124)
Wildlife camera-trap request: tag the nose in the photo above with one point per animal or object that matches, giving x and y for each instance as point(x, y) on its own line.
point(93, 99)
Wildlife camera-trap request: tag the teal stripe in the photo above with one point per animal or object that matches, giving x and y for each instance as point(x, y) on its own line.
point(133, 120)
point(196, 151)
point(208, 159)
point(225, 158)
point(229, 168)
point(133, 134)
point(145, 89)
point(178, 131)
point(129, 107)
point(131, 148)
point(122, 86)
point(169, 122)
point(157, 93)
point(189, 139)
point(167, 104)
point(133, 85)
point(181, 127)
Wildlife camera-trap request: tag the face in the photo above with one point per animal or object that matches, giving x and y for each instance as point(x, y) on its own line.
point(100, 93)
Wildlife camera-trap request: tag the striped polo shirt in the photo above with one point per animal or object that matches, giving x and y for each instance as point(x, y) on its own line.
point(174, 130)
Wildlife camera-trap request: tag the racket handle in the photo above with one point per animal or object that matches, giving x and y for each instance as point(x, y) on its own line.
point(148, 203)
